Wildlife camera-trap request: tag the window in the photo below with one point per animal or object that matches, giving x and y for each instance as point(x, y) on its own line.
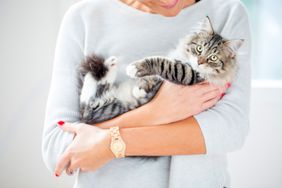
point(266, 22)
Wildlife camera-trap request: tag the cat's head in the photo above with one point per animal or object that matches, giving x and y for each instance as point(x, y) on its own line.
point(210, 54)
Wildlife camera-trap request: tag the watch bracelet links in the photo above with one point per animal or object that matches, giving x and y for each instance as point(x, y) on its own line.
point(115, 135)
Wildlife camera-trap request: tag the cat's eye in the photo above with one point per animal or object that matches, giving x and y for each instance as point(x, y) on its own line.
point(199, 49)
point(214, 57)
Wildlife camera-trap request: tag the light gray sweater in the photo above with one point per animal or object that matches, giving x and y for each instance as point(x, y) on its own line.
point(110, 27)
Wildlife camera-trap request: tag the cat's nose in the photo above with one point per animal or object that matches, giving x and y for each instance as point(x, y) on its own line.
point(201, 61)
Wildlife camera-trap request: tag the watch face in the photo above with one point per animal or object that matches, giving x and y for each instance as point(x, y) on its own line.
point(117, 146)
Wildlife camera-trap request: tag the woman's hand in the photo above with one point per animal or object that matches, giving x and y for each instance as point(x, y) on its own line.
point(89, 150)
point(172, 103)
point(176, 102)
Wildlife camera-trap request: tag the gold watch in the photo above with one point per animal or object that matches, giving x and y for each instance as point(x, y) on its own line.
point(117, 144)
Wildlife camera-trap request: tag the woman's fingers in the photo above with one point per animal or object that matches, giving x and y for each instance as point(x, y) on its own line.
point(211, 94)
point(224, 88)
point(63, 163)
point(66, 157)
point(72, 168)
point(205, 88)
point(69, 127)
point(69, 171)
point(210, 103)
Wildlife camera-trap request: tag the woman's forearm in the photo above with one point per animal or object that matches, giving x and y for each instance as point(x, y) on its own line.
point(138, 117)
point(161, 127)
point(185, 102)
point(179, 138)
point(183, 137)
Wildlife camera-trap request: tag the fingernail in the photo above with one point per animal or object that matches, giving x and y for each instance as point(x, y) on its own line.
point(222, 95)
point(57, 175)
point(228, 84)
point(61, 123)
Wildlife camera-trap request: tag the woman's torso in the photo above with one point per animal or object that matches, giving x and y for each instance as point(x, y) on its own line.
point(114, 29)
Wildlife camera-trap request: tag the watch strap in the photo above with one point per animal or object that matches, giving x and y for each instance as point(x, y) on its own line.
point(117, 144)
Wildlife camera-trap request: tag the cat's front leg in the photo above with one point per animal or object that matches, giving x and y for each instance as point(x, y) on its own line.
point(169, 69)
point(153, 65)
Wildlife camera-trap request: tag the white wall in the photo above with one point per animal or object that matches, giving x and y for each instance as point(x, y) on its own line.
point(28, 31)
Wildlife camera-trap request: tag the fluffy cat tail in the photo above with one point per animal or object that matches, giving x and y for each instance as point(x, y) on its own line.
point(94, 64)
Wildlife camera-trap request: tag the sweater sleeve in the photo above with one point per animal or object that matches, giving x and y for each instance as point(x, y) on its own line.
point(63, 97)
point(225, 126)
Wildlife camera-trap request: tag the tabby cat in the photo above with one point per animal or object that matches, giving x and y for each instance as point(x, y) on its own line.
point(201, 55)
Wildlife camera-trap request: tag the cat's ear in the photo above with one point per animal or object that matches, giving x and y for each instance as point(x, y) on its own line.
point(206, 26)
point(233, 46)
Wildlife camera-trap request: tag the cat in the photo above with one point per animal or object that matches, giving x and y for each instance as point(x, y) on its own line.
point(102, 99)
point(202, 55)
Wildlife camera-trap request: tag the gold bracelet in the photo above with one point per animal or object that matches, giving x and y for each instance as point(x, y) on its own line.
point(117, 144)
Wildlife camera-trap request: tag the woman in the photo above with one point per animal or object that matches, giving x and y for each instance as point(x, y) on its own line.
point(176, 125)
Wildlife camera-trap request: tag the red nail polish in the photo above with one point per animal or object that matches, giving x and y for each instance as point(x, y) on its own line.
point(57, 175)
point(61, 123)
point(222, 95)
point(228, 84)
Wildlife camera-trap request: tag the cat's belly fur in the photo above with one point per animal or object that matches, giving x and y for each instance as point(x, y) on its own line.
point(124, 91)
point(121, 100)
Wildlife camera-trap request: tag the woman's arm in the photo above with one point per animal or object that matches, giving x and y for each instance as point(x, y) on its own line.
point(90, 148)
point(179, 138)
point(62, 102)
point(167, 106)
point(182, 137)
point(140, 128)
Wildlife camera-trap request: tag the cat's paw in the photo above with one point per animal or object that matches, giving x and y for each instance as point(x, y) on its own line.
point(111, 74)
point(139, 93)
point(95, 105)
point(112, 61)
point(137, 69)
point(131, 70)
point(86, 114)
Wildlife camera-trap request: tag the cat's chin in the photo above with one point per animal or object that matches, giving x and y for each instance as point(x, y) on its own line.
point(218, 82)
point(216, 79)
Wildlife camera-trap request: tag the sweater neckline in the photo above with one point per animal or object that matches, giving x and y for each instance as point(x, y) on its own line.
point(137, 12)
